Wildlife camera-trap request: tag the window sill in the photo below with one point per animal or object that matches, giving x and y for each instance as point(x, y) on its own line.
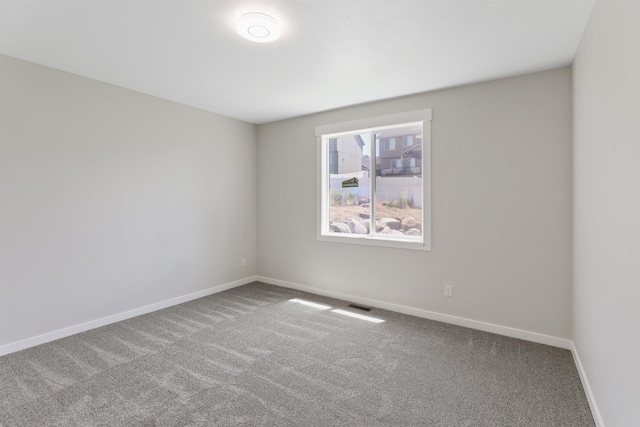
point(378, 240)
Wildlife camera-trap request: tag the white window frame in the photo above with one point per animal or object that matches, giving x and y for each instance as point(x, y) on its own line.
point(325, 132)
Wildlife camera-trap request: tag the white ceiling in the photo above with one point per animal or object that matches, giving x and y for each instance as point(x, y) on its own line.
point(332, 53)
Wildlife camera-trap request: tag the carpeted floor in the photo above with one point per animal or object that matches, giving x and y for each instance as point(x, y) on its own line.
point(249, 356)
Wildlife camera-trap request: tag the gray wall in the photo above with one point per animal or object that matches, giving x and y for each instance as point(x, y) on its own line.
point(606, 303)
point(112, 200)
point(501, 207)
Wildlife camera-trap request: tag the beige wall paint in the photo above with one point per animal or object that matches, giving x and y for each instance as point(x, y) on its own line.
point(501, 207)
point(112, 200)
point(606, 303)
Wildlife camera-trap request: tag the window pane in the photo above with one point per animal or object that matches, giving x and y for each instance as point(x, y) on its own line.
point(350, 184)
point(398, 187)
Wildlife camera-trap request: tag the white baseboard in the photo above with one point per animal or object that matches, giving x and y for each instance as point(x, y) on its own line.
point(431, 315)
point(587, 387)
point(82, 327)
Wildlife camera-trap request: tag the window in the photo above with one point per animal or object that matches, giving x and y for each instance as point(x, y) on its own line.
point(407, 141)
point(389, 144)
point(370, 192)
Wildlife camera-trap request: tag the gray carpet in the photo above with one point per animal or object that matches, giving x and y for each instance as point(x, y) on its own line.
point(248, 356)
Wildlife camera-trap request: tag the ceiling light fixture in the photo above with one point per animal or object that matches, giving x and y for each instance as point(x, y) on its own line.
point(258, 27)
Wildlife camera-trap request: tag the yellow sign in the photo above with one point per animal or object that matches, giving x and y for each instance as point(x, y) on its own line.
point(353, 182)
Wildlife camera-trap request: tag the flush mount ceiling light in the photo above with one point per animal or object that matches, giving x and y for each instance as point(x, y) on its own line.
point(258, 27)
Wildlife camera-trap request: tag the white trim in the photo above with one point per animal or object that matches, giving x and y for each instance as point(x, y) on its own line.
point(597, 418)
point(431, 315)
point(426, 166)
point(92, 324)
point(375, 240)
point(374, 122)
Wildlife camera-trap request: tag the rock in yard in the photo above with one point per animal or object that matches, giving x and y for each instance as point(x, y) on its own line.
point(356, 226)
point(409, 222)
point(339, 227)
point(385, 230)
point(392, 223)
point(413, 232)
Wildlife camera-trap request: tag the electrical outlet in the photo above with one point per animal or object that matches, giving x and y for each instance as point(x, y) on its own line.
point(448, 290)
point(243, 262)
